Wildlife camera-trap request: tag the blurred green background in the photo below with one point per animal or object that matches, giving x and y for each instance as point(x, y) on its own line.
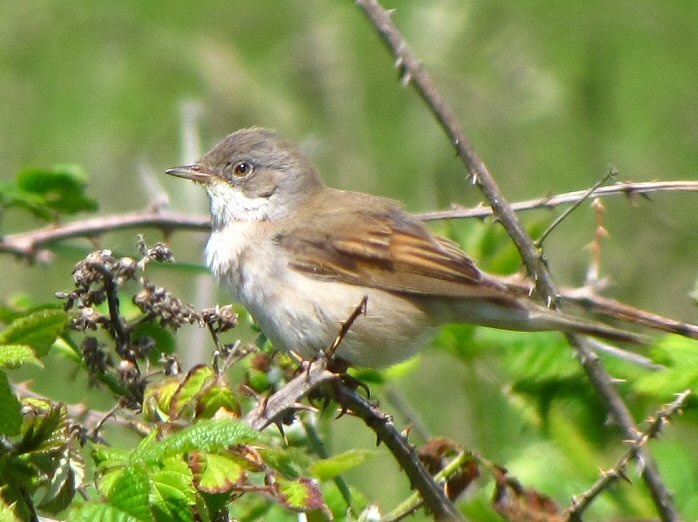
point(550, 93)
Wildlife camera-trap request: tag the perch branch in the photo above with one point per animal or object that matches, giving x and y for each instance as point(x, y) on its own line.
point(412, 72)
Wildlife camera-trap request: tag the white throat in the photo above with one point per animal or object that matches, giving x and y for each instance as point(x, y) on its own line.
point(229, 205)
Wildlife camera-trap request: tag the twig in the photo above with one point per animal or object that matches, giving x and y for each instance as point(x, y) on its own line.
point(288, 397)
point(587, 299)
point(413, 502)
point(382, 424)
point(583, 501)
point(117, 324)
point(602, 305)
point(617, 189)
point(413, 72)
point(619, 353)
point(345, 326)
point(592, 278)
point(28, 244)
point(612, 172)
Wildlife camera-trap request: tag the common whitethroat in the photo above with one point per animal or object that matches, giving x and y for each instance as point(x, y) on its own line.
point(302, 256)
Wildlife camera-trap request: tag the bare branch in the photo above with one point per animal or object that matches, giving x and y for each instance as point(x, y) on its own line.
point(612, 172)
point(584, 500)
point(28, 244)
point(382, 424)
point(289, 396)
point(412, 72)
point(624, 188)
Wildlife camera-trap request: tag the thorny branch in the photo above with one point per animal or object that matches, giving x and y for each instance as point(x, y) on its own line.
point(412, 72)
point(656, 423)
point(621, 188)
point(434, 496)
point(29, 244)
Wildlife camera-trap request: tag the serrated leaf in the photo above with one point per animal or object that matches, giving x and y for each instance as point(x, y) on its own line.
point(130, 493)
point(205, 435)
point(289, 461)
point(38, 330)
point(100, 511)
point(108, 456)
point(172, 492)
point(300, 495)
point(191, 386)
point(326, 469)
point(45, 434)
point(10, 409)
point(215, 473)
point(60, 188)
point(14, 355)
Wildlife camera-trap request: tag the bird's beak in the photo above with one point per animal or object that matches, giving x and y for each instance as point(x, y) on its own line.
point(192, 172)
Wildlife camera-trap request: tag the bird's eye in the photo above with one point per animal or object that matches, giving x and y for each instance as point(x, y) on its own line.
point(242, 169)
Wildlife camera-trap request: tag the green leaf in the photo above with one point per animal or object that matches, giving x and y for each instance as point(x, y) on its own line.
point(289, 461)
point(45, 433)
point(21, 305)
point(14, 355)
point(205, 435)
point(158, 398)
point(300, 495)
point(10, 409)
point(215, 398)
point(329, 468)
point(60, 188)
point(66, 478)
point(172, 492)
point(107, 456)
point(38, 330)
point(99, 511)
point(215, 473)
point(130, 493)
point(680, 356)
point(189, 389)
point(7, 512)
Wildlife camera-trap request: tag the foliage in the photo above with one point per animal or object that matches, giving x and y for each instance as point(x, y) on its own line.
point(550, 104)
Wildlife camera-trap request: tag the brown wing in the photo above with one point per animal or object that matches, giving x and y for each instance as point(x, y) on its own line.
point(381, 246)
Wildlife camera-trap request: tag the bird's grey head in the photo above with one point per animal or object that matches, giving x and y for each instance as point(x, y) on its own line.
point(253, 175)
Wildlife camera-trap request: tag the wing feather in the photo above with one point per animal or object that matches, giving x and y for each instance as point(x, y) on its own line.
point(381, 246)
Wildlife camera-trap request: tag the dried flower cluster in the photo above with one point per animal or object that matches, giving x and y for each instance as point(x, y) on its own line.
point(101, 279)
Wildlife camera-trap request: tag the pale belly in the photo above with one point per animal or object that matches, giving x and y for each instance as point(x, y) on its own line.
point(304, 314)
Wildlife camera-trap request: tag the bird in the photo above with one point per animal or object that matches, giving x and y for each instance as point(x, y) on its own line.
point(302, 256)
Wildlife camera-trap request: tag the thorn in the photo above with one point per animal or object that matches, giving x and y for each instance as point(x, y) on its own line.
point(280, 427)
point(621, 474)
